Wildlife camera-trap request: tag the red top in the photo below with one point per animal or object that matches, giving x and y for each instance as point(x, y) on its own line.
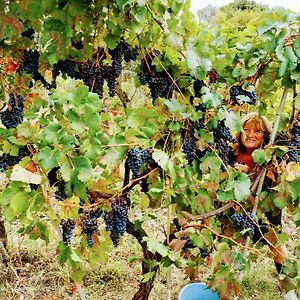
point(245, 158)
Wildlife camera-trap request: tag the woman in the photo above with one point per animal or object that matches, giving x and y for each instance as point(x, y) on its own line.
point(255, 134)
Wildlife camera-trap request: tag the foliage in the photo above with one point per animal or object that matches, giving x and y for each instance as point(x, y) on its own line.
point(77, 138)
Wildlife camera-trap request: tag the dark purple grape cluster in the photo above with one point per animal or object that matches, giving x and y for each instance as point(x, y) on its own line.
point(13, 115)
point(33, 186)
point(160, 83)
point(242, 221)
point(67, 229)
point(67, 67)
point(189, 147)
point(136, 158)
point(94, 73)
point(7, 160)
point(248, 91)
point(226, 152)
point(60, 192)
point(30, 62)
point(28, 33)
point(203, 252)
point(134, 162)
point(81, 203)
point(191, 151)
point(88, 220)
point(196, 125)
point(222, 132)
point(116, 220)
point(290, 138)
point(198, 85)
point(30, 65)
point(146, 156)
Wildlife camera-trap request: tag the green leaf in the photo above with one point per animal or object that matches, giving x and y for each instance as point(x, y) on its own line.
point(148, 276)
point(48, 158)
point(155, 246)
point(84, 168)
point(49, 133)
point(66, 171)
point(294, 188)
point(6, 195)
point(175, 106)
point(65, 253)
point(282, 68)
point(259, 156)
point(161, 158)
point(241, 186)
point(211, 100)
point(75, 257)
point(79, 94)
point(292, 58)
point(52, 24)
point(19, 203)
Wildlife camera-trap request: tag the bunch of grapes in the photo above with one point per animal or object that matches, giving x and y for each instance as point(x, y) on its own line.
point(160, 83)
point(116, 220)
point(134, 162)
point(291, 139)
point(67, 67)
point(30, 65)
point(7, 160)
point(191, 151)
point(146, 156)
point(222, 132)
point(67, 229)
point(136, 158)
point(122, 51)
point(13, 115)
point(226, 152)
point(198, 85)
point(237, 94)
point(242, 221)
point(189, 147)
point(88, 221)
point(28, 33)
point(94, 73)
point(60, 192)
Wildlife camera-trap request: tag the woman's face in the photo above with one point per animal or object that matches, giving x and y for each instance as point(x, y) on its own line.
point(253, 135)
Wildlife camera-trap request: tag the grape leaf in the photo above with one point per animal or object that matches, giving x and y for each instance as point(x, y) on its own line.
point(241, 186)
point(19, 203)
point(21, 174)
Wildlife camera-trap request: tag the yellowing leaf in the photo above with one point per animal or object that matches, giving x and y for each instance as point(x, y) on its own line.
point(21, 174)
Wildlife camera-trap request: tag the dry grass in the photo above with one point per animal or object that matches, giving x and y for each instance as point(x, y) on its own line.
point(34, 272)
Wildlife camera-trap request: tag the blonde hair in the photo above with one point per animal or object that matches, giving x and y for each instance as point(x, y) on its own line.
point(262, 121)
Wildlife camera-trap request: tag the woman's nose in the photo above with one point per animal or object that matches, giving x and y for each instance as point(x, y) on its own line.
point(250, 133)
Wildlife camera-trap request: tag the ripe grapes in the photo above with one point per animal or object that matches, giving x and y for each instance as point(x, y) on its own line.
point(242, 221)
point(116, 220)
point(13, 115)
point(67, 229)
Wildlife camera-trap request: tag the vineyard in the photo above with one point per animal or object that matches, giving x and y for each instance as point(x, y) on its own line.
point(119, 127)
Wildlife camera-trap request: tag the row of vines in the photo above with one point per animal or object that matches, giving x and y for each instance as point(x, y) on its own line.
point(102, 101)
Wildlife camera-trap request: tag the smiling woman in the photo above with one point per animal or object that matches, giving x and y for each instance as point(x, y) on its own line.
point(255, 134)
